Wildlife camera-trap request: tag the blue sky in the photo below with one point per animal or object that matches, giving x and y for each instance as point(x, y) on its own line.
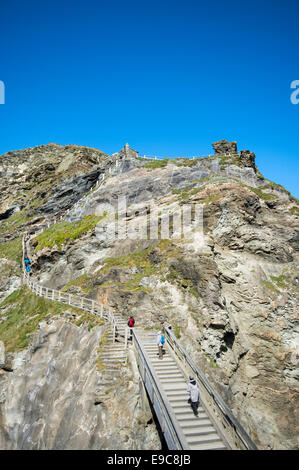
point(168, 77)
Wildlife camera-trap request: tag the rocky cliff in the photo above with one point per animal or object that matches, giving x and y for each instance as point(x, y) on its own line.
point(207, 245)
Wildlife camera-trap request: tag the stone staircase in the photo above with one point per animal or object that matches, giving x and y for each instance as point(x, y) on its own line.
point(200, 433)
point(113, 356)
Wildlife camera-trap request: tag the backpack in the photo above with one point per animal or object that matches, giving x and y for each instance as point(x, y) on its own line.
point(162, 339)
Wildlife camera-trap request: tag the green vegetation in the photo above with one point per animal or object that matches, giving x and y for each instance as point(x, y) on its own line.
point(229, 160)
point(294, 199)
point(185, 161)
point(184, 284)
point(83, 282)
point(279, 187)
point(210, 199)
point(177, 331)
point(271, 286)
point(137, 259)
point(12, 250)
point(281, 281)
point(65, 232)
point(294, 211)
point(140, 259)
point(260, 193)
point(24, 312)
point(153, 164)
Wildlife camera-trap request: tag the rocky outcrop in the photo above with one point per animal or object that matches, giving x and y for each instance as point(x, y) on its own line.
point(247, 159)
point(223, 147)
point(67, 193)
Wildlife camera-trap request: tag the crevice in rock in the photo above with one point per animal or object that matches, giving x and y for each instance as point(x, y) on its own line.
point(229, 338)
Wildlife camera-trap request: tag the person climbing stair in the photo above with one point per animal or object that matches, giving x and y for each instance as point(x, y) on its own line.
point(193, 391)
point(160, 342)
point(131, 324)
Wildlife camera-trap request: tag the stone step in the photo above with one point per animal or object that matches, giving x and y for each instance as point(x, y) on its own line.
point(174, 387)
point(163, 363)
point(195, 423)
point(208, 446)
point(114, 347)
point(174, 381)
point(164, 367)
point(204, 438)
point(114, 358)
point(186, 416)
point(178, 399)
point(169, 373)
point(171, 377)
point(199, 431)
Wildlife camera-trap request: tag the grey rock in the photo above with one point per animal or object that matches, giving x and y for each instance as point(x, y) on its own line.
point(69, 192)
point(2, 355)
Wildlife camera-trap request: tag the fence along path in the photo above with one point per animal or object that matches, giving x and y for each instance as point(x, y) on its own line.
point(165, 380)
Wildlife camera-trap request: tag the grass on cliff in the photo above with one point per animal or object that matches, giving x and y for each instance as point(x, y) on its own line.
point(63, 232)
point(16, 220)
point(185, 161)
point(24, 312)
point(294, 211)
point(139, 259)
point(12, 250)
point(153, 164)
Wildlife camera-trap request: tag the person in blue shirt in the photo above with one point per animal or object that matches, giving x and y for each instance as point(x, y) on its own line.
point(27, 264)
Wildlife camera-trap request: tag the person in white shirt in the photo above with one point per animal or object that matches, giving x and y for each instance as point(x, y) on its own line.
point(193, 391)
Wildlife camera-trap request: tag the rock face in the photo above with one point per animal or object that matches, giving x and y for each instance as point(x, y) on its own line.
point(48, 402)
point(68, 193)
point(223, 147)
point(228, 284)
point(247, 158)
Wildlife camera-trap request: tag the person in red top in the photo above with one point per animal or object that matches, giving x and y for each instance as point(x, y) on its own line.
point(131, 324)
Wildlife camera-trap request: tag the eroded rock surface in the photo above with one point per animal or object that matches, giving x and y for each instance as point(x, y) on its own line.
point(48, 401)
point(229, 287)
